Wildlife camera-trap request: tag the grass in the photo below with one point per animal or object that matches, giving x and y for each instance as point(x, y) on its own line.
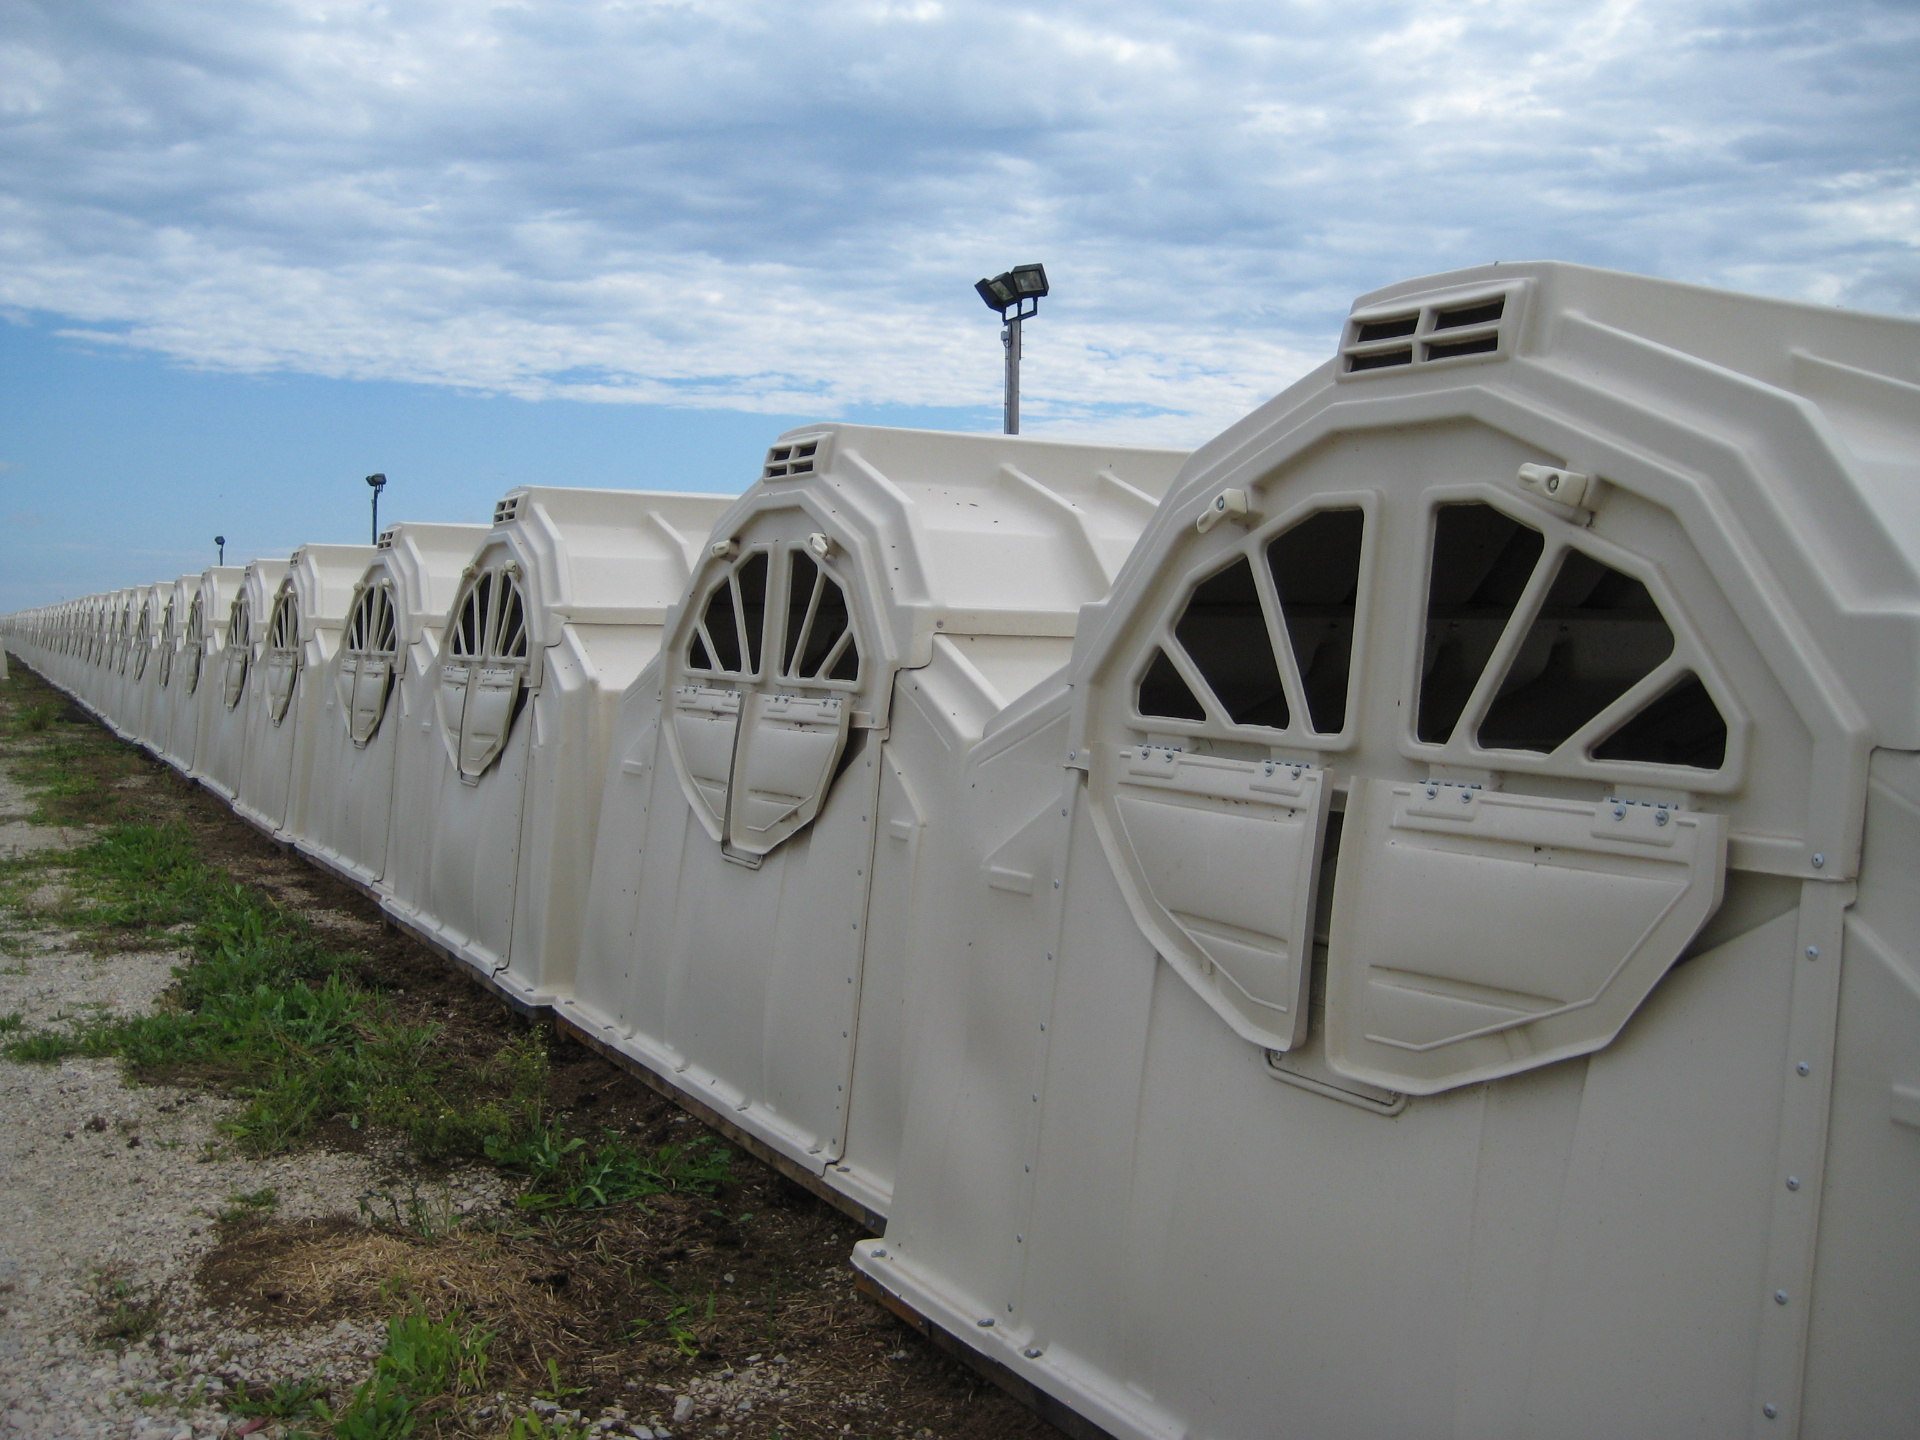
point(425, 1365)
point(265, 1010)
point(564, 1173)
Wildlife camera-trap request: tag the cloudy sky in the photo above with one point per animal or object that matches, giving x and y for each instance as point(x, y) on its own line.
point(251, 248)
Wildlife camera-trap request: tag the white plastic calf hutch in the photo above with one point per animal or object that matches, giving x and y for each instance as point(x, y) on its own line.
point(494, 810)
point(770, 844)
point(181, 649)
point(287, 694)
point(378, 684)
point(222, 747)
point(1468, 1006)
point(198, 670)
point(146, 716)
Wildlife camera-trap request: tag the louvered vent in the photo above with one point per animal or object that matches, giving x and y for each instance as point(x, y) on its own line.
point(1451, 329)
point(507, 509)
point(385, 542)
point(796, 459)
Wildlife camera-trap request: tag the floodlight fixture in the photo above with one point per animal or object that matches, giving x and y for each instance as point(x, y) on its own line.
point(1015, 295)
point(379, 483)
point(221, 541)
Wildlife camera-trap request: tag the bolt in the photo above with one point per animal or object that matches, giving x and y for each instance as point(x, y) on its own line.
point(986, 1324)
point(1466, 797)
point(1779, 1297)
point(1036, 1098)
point(1032, 1352)
point(1431, 792)
point(1056, 884)
point(1049, 954)
point(1793, 1182)
point(1009, 1307)
point(1619, 812)
point(1028, 1169)
point(1813, 952)
point(1019, 1239)
point(1804, 1068)
point(1072, 753)
point(879, 1254)
point(1770, 1411)
point(1819, 861)
point(1660, 818)
point(1063, 810)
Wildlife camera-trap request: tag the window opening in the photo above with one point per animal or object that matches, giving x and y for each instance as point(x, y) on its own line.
point(143, 642)
point(366, 665)
point(1482, 560)
point(195, 644)
point(720, 628)
point(1681, 727)
point(1223, 629)
point(1165, 694)
point(283, 655)
point(483, 677)
point(166, 646)
point(752, 590)
point(1597, 635)
point(1316, 574)
point(819, 631)
point(239, 648)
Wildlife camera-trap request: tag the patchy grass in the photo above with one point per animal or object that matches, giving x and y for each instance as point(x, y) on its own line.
point(644, 1251)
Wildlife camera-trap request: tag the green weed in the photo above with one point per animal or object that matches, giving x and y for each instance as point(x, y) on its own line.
point(564, 1174)
point(249, 1205)
point(422, 1361)
point(11, 1021)
point(284, 1400)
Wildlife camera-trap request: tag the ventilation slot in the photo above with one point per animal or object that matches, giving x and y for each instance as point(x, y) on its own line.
point(507, 509)
point(791, 460)
point(730, 628)
point(385, 542)
point(1425, 336)
point(1472, 315)
point(1485, 345)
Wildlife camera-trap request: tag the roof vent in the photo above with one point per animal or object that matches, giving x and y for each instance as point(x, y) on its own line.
point(385, 542)
point(507, 509)
point(792, 459)
point(1414, 333)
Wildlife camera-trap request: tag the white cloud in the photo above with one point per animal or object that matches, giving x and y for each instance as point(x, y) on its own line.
point(782, 207)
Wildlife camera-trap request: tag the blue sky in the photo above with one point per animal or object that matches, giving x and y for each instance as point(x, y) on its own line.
point(250, 250)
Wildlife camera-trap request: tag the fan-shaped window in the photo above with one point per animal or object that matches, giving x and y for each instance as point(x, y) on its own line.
point(1482, 560)
point(239, 651)
point(143, 641)
point(728, 638)
point(819, 632)
point(168, 639)
point(193, 647)
point(366, 675)
point(283, 654)
point(1242, 639)
point(1316, 575)
point(484, 674)
point(1588, 664)
point(1597, 635)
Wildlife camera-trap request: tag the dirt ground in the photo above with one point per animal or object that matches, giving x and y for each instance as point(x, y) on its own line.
point(687, 1315)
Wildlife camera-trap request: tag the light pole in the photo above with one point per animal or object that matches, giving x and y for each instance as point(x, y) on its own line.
point(379, 483)
point(1015, 294)
point(221, 541)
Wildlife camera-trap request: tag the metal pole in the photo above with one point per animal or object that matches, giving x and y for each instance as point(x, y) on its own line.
point(376, 517)
point(1010, 337)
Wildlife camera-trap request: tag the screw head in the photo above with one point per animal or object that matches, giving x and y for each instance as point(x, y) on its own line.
point(1032, 1352)
point(1793, 1182)
point(986, 1324)
point(1813, 952)
point(1619, 812)
point(1660, 818)
point(879, 1254)
point(1770, 1411)
point(1819, 861)
point(1779, 1297)
point(1466, 797)
point(1804, 1068)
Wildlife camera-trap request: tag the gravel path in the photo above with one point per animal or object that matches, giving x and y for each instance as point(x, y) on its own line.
point(107, 1196)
